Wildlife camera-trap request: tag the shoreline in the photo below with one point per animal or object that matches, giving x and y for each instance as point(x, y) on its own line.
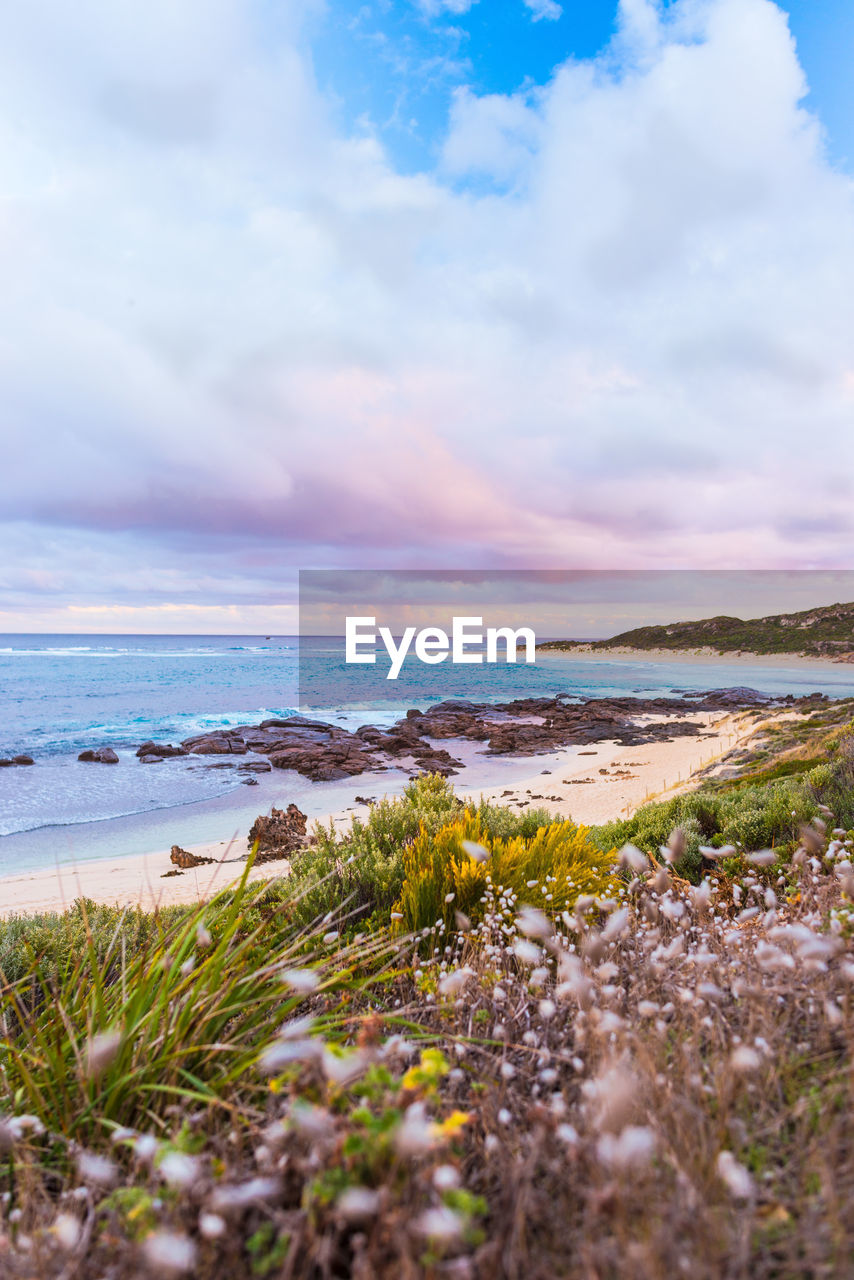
point(698, 657)
point(592, 785)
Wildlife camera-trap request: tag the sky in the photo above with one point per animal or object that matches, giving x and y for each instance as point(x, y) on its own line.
point(416, 283)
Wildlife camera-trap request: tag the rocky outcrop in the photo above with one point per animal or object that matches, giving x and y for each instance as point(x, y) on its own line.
point(7, 762)
point(184, 859)
point(278, 834)
point(526, 726)
point(323, 752)
point(99, 755)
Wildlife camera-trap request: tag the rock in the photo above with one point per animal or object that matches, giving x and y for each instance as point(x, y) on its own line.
point(249, 782)
point(150, 759)
point(164, 750)
point(174, 872)
point(99, 755)
point(184, 859)
point(282, 831)
point(23, 759)
point(214, 745)
point(5, 764)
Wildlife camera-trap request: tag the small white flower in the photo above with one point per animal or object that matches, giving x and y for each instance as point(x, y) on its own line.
point(735, 1176)
point(446, 1177)
point(744, 1059)
point(98, 1169)
point(415, 1134)
point(145, 1147)
point(167, 1251)
point(633, 1147)
point(301, 980)
point(178, 1169)
point(67, 1230)
point(533, 923)
point(211, 1226)
point(240, 1195)
point(342, 1069)
point(439, 1224)
point(358, 1203)
point(527, 952)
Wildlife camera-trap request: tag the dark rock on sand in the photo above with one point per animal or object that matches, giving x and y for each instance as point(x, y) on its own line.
point(279, 833)
point(184, 859)
point(164, 750)
point(99, 755)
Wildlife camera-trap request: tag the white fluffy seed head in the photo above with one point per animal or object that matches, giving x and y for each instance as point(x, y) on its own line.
point(735, 1177)
point(67, 1231)
point(101, 1051)
point(167, 1251)
point(211, 1226)
point(178, 1169)
point(356, 1204)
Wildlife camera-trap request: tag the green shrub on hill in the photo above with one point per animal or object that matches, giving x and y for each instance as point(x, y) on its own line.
point(758, 815)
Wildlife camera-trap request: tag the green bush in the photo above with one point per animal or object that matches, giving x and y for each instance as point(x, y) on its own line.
point(359, 874)
point(754, 815)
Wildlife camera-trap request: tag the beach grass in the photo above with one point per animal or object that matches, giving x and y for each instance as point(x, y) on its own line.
point(649, 1076)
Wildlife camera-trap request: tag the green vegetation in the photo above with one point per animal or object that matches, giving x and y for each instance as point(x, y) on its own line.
point(826, 632)
point(556, 1062)
point(360, 876)
point(442, 878)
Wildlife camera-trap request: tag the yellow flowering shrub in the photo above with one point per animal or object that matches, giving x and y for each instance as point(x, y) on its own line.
point(549, 870)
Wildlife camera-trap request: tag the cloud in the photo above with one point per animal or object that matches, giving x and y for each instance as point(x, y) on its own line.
point(433, 8)
point(608, 330)
point(548, 9)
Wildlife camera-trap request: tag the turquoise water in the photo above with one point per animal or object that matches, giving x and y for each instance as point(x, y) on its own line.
point(60, 694)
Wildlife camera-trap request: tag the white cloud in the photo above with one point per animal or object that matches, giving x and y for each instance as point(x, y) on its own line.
point(610, 330)
point(433, 8)
point(548, 9)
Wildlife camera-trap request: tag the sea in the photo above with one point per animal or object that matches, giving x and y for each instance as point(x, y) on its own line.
point(60, 694)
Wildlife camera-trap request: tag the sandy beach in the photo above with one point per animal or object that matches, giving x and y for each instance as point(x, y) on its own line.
point(692, 656)
point(592, 784)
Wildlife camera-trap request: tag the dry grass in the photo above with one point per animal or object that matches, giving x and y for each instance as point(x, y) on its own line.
point(654, 1085)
